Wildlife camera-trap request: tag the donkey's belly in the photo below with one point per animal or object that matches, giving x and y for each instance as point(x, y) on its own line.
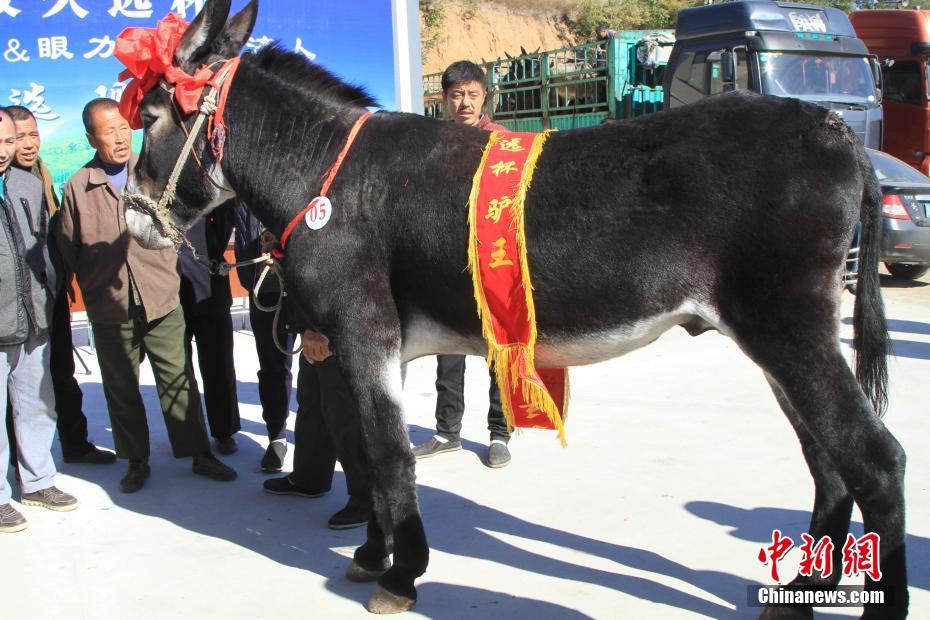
point(593, 347)
point(424, 336)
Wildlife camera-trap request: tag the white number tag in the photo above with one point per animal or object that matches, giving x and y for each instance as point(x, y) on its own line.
point(321, 209)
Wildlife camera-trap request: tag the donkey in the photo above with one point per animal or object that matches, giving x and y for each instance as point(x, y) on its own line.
point(733, 214)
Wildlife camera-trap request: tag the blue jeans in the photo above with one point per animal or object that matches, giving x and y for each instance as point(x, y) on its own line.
point(25, 375)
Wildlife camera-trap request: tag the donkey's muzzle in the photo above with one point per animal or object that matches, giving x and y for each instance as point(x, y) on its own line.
point(145, 226)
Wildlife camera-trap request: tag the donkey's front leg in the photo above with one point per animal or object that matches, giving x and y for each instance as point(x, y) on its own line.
point(368, 348)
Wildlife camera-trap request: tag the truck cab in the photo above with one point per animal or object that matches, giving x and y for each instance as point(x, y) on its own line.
point(901, 40)
point(788, 50)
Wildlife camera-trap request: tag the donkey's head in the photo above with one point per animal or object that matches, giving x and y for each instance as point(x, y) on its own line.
point(171, 187)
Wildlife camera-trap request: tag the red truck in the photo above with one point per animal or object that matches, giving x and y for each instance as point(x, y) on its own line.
point(901, 40)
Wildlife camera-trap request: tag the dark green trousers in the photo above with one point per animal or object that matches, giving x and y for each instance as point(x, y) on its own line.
point(118, 350)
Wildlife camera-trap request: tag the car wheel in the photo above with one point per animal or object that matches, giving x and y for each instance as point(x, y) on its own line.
point(901, 271)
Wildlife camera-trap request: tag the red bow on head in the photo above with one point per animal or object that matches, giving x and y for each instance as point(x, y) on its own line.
point(148, 54)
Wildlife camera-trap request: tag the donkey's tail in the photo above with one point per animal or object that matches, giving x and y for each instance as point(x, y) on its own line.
point(870, 331)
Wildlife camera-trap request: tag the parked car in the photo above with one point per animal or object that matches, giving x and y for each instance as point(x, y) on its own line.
point(906, 221)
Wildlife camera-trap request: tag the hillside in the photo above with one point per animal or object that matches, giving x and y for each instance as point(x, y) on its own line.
point(486, 30)
point(474, 29)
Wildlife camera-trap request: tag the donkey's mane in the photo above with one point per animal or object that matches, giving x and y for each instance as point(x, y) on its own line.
point(298, 71)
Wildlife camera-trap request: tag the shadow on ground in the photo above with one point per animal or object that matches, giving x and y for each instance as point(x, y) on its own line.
point(756, 525)
point(903, 348)
point(889, 282)
point(898, 325)
point(900, 347)
point(292, 531)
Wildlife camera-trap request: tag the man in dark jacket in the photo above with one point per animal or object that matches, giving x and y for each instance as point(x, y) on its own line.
point(328, 428)
point(464, 93)
point(327, 415)
point(27, 285)
point(206, 300)
point(72, 423)
point(274, 367)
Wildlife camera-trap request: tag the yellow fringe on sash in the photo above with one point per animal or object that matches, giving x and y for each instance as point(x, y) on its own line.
point(508, 356)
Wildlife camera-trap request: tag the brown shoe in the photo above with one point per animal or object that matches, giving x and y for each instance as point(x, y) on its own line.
point(136, 476)
point(284, 486)
point(52, 498)
point(355, 514)
point(90, 455)
point(11, 520)
point(208, 465)
point(226, 445)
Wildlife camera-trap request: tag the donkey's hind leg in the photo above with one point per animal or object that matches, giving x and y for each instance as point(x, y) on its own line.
point(842, 437)
point(372, 559)
point(832, 507)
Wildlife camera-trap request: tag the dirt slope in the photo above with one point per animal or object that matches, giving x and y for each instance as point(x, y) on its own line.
point(491, 31)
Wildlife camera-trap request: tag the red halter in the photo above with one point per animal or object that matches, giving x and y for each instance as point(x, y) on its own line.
point(148, 54)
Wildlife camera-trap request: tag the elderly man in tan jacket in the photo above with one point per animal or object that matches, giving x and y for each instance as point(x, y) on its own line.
point(131, 295)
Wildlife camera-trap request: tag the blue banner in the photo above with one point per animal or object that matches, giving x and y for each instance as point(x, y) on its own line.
point(56, 55)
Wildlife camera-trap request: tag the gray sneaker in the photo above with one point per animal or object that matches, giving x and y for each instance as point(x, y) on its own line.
point(436, 446)
point(11, 520)
point(498, 454)
point(52, 498)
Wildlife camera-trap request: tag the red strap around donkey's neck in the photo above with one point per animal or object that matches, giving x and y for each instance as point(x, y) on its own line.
point(327, 182)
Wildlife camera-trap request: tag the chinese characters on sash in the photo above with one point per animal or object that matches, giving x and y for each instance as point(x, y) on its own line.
point(531, 397)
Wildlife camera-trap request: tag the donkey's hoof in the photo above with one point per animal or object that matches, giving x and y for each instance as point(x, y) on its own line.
point(383, 602)
point(358, 574)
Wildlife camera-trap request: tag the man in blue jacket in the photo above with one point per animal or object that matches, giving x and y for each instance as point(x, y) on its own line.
point(27, 282)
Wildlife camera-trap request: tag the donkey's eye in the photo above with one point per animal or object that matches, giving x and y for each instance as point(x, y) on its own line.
point(147, 119)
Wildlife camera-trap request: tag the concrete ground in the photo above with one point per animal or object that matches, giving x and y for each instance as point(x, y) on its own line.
point(679, 466)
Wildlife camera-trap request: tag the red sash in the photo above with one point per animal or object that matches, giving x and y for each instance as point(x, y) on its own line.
point(531, 397)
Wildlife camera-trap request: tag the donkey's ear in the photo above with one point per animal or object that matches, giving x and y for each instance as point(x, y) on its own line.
point(237, 32)
point(197, 42)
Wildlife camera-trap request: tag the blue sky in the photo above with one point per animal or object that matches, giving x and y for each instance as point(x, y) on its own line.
point(353, 39)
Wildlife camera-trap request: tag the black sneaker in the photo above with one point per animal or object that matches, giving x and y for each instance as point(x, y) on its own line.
point(436, 445)
point(52, 498)
point(498, 454)
point(226, 445)
point(135, 477)
point(273, 460)
point(353, 515)
point(89, 455)
point(208, 465)
point(284, 486)
point(11, 520)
